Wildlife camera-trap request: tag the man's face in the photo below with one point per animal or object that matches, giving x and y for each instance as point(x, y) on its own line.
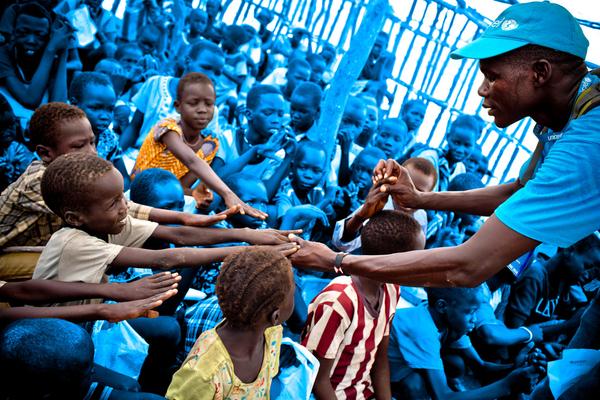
point(303, 113)
point(268, 115)
point(30, 35)
point(507, 90)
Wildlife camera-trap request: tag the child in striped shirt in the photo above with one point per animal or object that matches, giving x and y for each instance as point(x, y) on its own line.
point(349, 321)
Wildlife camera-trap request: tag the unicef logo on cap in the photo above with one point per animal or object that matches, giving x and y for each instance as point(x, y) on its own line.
point(509, 25)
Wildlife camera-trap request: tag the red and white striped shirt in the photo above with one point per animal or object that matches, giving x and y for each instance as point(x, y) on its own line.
point(340, 327)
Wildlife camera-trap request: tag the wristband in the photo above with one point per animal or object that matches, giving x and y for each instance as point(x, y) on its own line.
point(337, 266)
point(529, 332)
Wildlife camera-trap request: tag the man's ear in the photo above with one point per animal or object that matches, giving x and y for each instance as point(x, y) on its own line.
point(45, 152)
point(73, 218)
point(275, 317)
point(542, 72)
point(248, 113)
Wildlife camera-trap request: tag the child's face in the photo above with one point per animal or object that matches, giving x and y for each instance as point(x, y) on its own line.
point(130, 58)
point(460, 317)
point(308, 170)
point(168, 195)
point(268, 114)
point(303, 112)
point(74, 136)
point(197, 105)
point(98, 103)
point(209, 63)
point(362, 169)
point(371, 120)
point(422, 181)
point(460, 143)
point(296, 76)
point(318, 68)
point(148, 41)
point(107, 207)
point(391, 139)
point(413, 116)
point(30, 35)
point(253, 193)
point(198, 22)
point(353, 121)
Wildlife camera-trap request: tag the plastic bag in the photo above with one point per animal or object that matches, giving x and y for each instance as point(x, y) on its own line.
point(119, 347)
point(296, 378)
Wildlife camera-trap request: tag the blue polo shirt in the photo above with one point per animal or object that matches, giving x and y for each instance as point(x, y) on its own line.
point(561, 203)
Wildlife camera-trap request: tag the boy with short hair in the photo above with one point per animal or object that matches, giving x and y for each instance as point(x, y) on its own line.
point(305, 107)
point(351, 125)
point(416, 340)
point(392, 137)
point(349, 321)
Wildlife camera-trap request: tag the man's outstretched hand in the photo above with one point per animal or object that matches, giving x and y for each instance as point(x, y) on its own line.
point(312, 255)
point(392, 178)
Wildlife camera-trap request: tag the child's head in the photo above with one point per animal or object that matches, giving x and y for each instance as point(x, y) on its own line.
point(477, 163)
point(234, 36)
point(298, 71)
point(264, 15)
point(158, 188)
point(392, 137)
point(195, 100)
point(9, 126)
point(353, 119)
point(198, 21)
point(256, 288)
point(413, 113)
point(372, 121)
point(86, 191)
point(317, 66)
point(93, 93)
point(56, 355)
point(59, 128)
point(264, 110)
point(207, 58)
point(149, 38)
point(462, 182)
point(305, 106)
point(455, 307)
point(253, 192)
point(128, 55)
point(422, 172)
point(31, 31)
point(463, 134)
point(362, 168)
point(328, 53)
point(380, 45)
point(308, 166)
point(391, 231)
point(213, 7)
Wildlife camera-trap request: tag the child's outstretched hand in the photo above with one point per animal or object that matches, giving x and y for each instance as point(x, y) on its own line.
point(208, 220)
point(146, 287)
point(231, 200)
point(269, 236)
point(374, 203)
point(135, 309)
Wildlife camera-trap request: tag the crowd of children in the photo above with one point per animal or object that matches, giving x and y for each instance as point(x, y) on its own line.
point(152, 169)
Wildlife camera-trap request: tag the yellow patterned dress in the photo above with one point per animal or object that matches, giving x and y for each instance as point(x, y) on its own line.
point(208, 372)
point(155, 154)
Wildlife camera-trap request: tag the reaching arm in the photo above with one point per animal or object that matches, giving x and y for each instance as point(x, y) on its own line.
point(476, 260)
point(322, 388)
point(186, 155)
point(182, 218)
point(380, 373)
point(132, 131)
point(190, 236)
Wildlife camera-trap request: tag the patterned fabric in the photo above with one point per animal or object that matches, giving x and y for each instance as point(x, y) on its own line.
point(208, 372)
point(13, 162)
point(201, 317)
point(340, 327)
point(155, 154)
point(108, 146)
point(25, 220)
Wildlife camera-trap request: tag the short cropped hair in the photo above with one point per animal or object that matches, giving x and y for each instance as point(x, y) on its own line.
point(254, 95)
point(142, 190)
point(465, 181)
point(371, 151)
point(204, 45)
point(191, 78)
point(390, 231)
point(55, 354)
point(455, 295)
point(84, 79)
point(67, 180)
point(411, 103)
point(252, 284)
point(46, 121)
point(308, 146)
point(298, 63)
point(533, 52)
point(471, 122)
point(33, 9)
point(423, 165)
point(234, 181)
point(310, 90)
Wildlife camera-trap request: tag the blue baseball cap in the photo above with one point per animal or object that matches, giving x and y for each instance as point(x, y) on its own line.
point(540, 23)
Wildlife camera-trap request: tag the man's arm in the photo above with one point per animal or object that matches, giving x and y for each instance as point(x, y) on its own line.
point(483, 255)
point(380, 373)
point(322, 388)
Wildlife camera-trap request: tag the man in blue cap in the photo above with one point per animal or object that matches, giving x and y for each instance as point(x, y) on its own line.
point(532, 59)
